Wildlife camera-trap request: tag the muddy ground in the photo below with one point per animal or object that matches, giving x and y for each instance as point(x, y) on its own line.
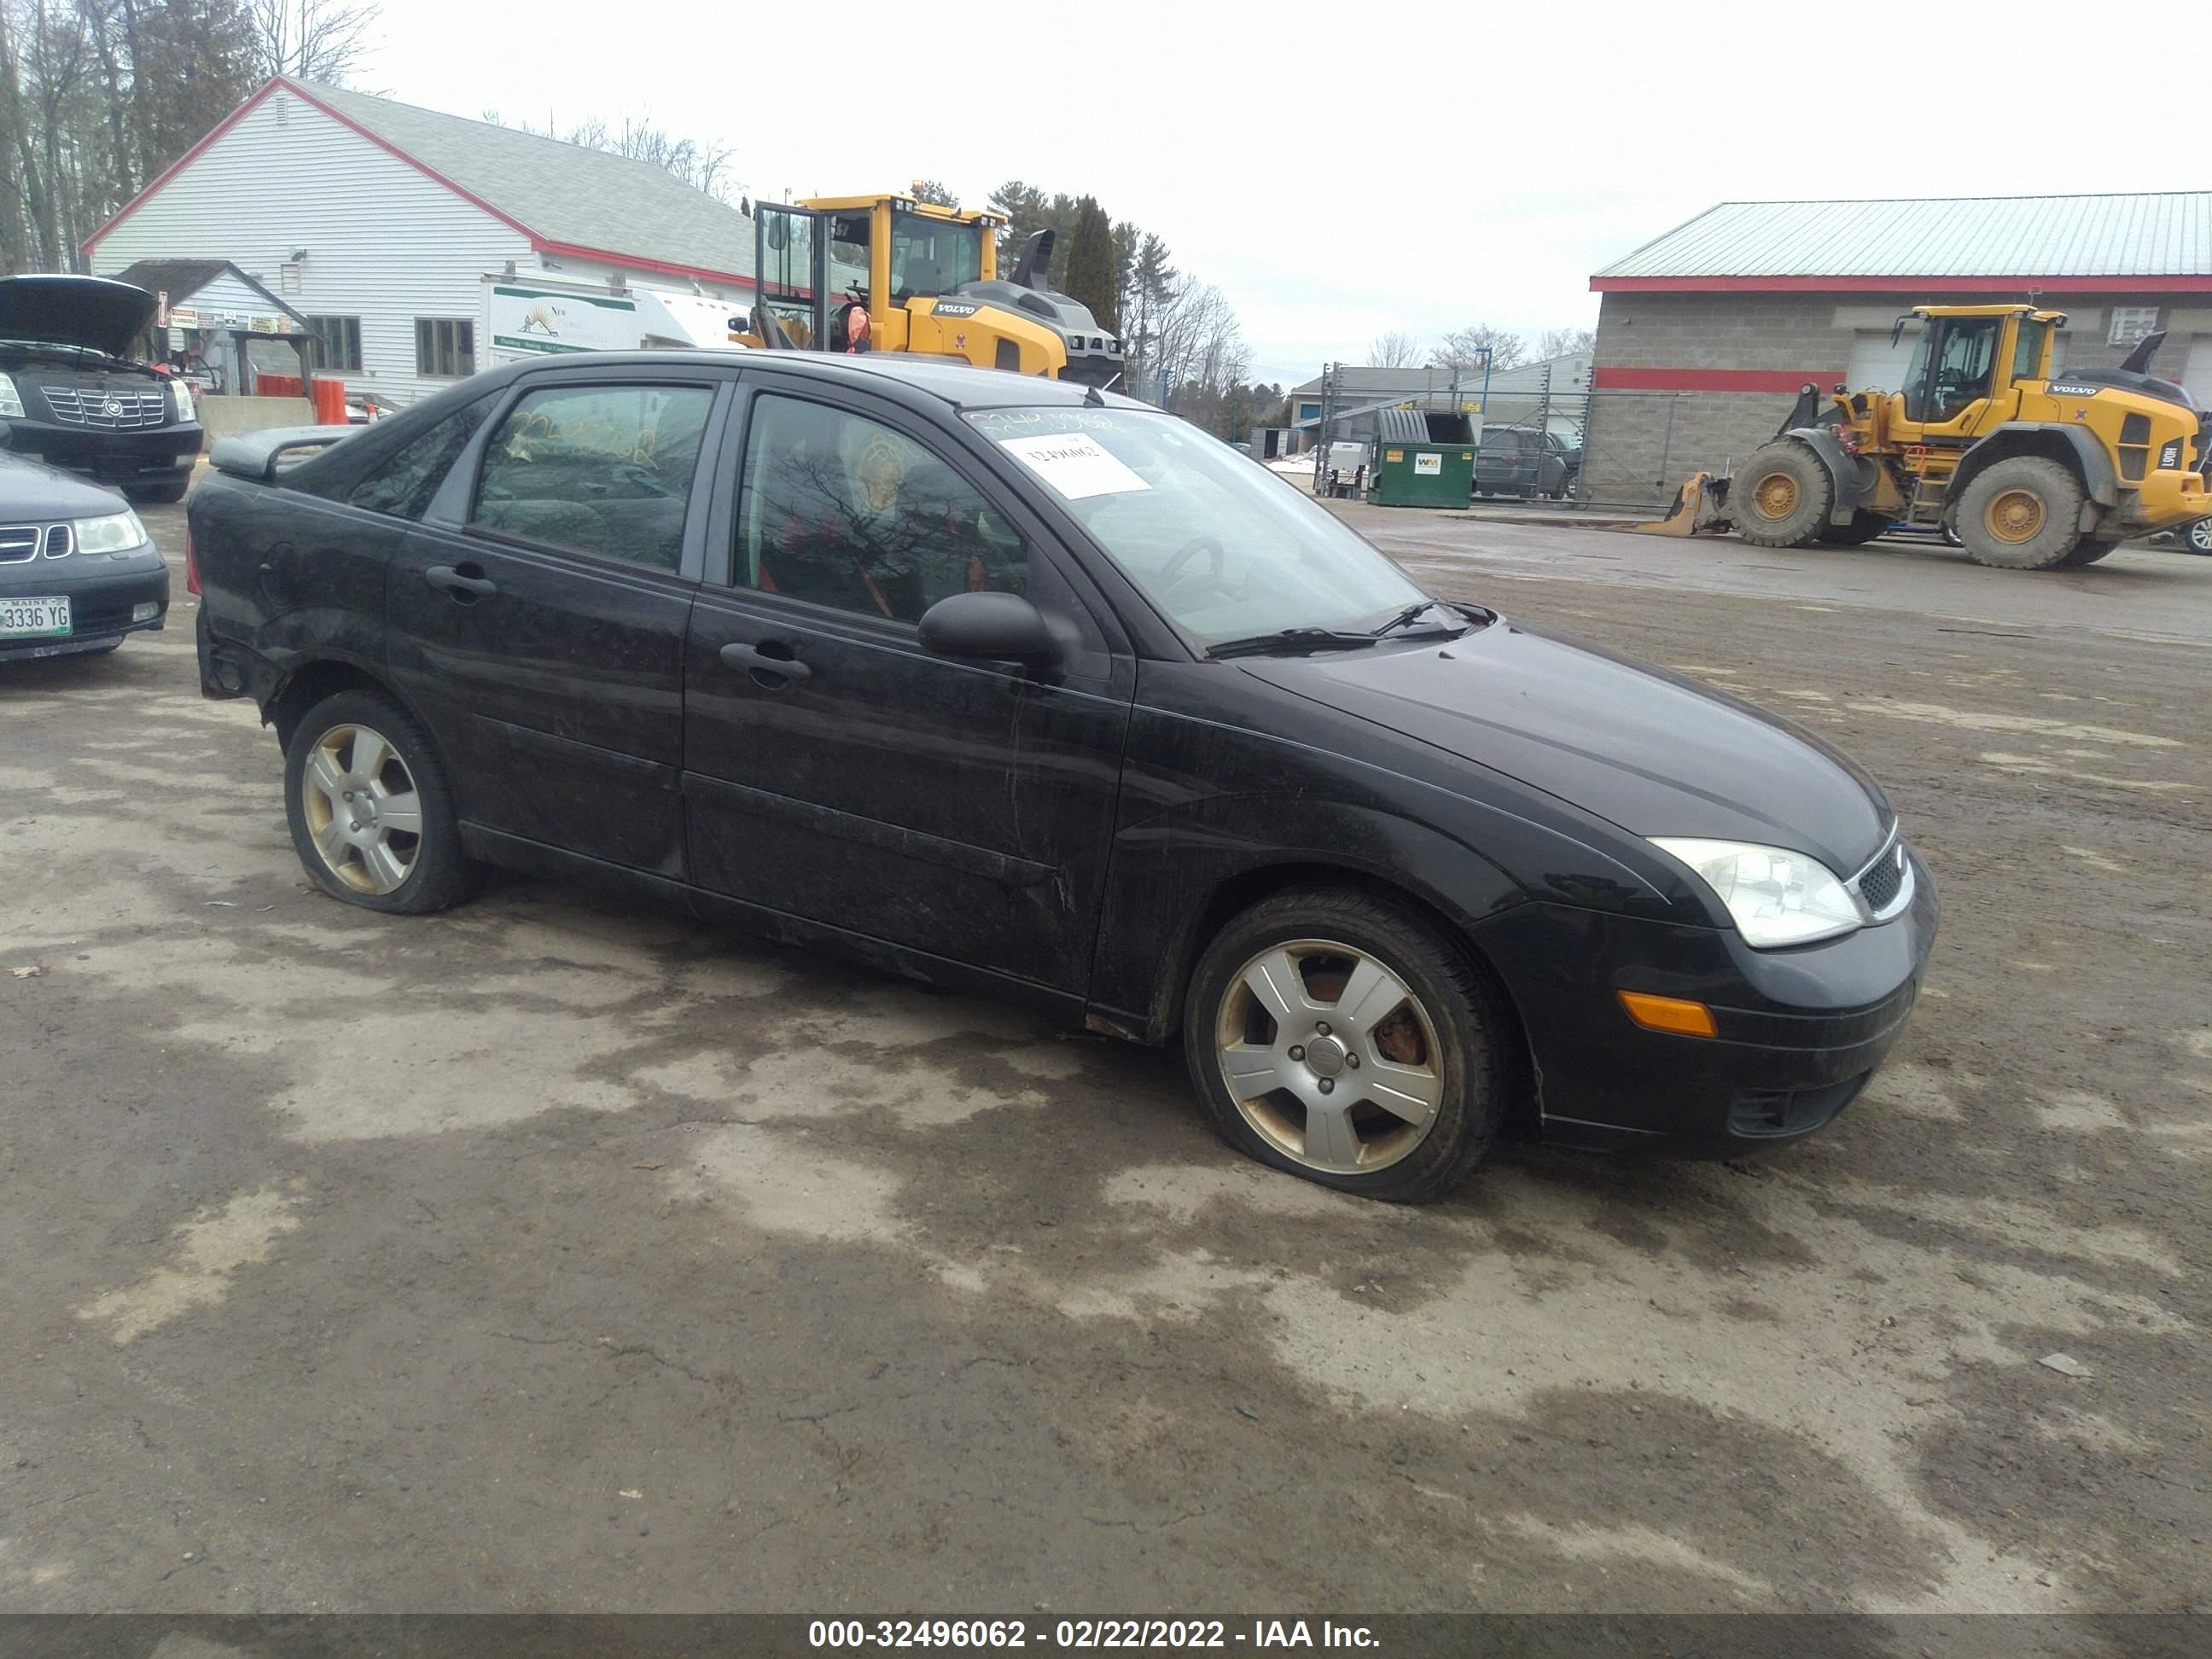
point(557, 1254)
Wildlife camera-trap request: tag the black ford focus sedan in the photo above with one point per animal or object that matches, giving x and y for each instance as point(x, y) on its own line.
point(1041, 692)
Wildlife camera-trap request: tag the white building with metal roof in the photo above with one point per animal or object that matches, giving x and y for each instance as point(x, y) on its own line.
point(378, 222)
point(1705, 333)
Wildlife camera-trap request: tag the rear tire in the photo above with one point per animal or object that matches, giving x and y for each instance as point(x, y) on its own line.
point(2086, 552)
point(2197, 538)
point(1781, 496)
point(1862, 528)
point(357, 746)
point(2023, 513)
point(1311, 1081)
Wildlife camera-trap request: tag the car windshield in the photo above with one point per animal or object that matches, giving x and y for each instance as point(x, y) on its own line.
point(1226, 549)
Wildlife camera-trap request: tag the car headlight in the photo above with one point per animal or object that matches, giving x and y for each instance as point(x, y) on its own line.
point(183, 394)
point(11, 401)
point(1776, 896)
point(116, 533)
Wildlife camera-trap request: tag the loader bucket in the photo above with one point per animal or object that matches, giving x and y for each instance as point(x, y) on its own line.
point(1700, 508)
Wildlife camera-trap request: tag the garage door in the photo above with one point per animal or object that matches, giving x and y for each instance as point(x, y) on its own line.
point(2196, 373)
point(1876, 364)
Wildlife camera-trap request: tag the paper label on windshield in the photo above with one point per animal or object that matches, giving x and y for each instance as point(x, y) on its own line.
point(1073, 463)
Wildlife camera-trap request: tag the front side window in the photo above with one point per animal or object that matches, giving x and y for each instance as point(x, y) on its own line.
point(402, 484)
point(1966, 355)
point(600, 469)
point(1223, 547)
point(334, 345)
point(445, 347)
point(841, 510)
point(933, 256)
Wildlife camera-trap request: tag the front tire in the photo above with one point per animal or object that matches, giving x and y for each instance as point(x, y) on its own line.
point(2023, 513)
point(1782, 496)
point(1862, 528)
point(1341, 1037)
point(371, 812)
point(2086, 552)
point(2197, 538)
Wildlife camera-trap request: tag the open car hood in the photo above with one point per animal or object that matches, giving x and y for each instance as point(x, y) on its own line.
point(74, 310)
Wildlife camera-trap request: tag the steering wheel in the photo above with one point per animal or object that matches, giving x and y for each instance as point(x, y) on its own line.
point(1184, 554)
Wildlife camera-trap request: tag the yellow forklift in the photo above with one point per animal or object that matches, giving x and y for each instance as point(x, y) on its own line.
point(2028, 470)
point(892, 273)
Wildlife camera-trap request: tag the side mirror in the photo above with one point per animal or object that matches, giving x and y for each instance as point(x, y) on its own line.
point(1004, 627)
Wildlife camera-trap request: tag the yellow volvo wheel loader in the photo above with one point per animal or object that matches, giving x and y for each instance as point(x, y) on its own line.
point(890, 273)
point(2030, 470)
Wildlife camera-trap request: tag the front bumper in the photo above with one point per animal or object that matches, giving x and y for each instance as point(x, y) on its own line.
point(151, 455)
point(1800, 1032)
point(103, 592)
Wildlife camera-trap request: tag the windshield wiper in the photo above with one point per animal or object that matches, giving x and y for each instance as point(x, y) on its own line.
point(1290, 639)
point(1413, 611)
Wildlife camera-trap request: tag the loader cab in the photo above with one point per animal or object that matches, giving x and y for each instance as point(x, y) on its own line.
point(1968, 361)
point(823, 259)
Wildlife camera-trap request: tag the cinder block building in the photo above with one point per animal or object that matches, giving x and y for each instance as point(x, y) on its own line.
point(1705, 334)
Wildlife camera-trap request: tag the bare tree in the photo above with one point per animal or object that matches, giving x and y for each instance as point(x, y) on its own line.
point(1566, 343)
point(1396, 350)
point(312, 39)
point(934, 192)
point(1463, 347)
point(704, 167)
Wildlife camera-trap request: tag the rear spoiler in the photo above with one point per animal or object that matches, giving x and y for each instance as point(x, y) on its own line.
point(262, 455)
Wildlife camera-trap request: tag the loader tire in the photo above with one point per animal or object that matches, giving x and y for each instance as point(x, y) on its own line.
point(1862, 528)
point(2023, 513)
point(1781, 496)
point(2086, 551)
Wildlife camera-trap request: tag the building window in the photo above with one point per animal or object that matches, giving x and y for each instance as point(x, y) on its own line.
point(2130, 324)
point(445, 347)
point(334, 345)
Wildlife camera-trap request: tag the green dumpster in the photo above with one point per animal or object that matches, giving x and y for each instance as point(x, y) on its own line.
point(1422, 458)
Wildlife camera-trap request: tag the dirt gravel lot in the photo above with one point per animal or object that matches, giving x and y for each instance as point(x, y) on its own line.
point(557, 1254)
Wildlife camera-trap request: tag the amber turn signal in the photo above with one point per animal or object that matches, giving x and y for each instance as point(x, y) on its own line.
point(1669, 1014)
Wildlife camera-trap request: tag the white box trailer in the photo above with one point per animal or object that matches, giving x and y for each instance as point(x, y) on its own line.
point(523, 317)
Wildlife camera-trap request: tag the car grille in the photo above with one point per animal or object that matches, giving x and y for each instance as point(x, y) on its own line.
point(106, 411)
point(1878, 885)
point(19, 543)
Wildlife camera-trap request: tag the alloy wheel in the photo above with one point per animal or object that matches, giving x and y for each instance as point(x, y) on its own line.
point(1329, 1056)
point(362, 810)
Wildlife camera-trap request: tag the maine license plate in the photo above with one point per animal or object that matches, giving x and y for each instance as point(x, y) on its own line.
point(35, 619)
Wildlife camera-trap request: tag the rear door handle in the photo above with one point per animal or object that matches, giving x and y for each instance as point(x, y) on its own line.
point(447, 580)
point(771, 657)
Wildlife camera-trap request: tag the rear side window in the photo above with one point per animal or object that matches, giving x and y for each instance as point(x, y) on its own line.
point(600, 469)
point(402, 484)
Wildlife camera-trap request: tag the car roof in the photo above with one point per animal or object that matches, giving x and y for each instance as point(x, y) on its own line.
point(934, 379)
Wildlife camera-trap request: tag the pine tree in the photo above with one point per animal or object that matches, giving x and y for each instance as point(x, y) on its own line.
point(1091, 277)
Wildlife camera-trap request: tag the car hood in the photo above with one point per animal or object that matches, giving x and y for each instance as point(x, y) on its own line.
point(32, 492)
point(1657, 753)
point(74, 311)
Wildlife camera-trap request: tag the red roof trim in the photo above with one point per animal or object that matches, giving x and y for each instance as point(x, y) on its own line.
point(539, 244)
point(1900, 284)
point(1711, 380)
point(632, 262)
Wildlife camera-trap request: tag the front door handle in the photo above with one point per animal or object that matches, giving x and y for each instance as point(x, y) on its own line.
point(452, 582)
point(770, 657)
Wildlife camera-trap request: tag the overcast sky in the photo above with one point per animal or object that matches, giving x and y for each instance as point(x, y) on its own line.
point(1344, 169)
